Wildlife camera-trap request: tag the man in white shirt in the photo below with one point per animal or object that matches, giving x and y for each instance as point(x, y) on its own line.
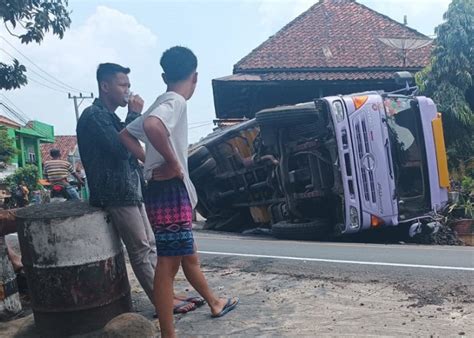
point(170, 195)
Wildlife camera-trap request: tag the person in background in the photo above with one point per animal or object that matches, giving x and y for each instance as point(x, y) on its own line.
point(57, 171)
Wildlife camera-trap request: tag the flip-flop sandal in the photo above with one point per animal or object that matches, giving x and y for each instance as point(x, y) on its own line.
point(199, 301)
point(228, 307)
point(181, 308)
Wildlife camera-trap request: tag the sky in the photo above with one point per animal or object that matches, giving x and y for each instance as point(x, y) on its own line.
point(135, 33)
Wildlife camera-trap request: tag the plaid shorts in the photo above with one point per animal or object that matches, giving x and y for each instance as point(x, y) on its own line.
point(170, 213)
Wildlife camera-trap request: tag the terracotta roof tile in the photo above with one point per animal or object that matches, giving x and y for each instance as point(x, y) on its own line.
point(335, 34)
point(65, 143)
point(311, 76)
point(9, 122)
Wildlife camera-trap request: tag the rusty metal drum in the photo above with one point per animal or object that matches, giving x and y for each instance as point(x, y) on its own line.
point(75, 267)
point(9, 298)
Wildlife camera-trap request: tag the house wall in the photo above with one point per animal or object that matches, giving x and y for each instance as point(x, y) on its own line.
point(27, 141)
point(31, 153)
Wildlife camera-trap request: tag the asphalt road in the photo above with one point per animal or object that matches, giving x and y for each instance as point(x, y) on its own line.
point(455, 258)
point(430, 274)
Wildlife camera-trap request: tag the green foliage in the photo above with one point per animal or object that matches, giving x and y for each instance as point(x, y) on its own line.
point(448, 80)
point(467, 185)
point(467, 196)
point(27, 175)
point(12, 76)
point(7, 148)
point(34, 18)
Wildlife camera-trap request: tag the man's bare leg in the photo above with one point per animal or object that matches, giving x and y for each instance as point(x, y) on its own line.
point(192, 271)
point(14, 259)
point(163, 294)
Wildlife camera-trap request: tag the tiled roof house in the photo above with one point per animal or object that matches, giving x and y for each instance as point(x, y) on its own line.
point(335, 47)
point(66, 144)
point(5, 121)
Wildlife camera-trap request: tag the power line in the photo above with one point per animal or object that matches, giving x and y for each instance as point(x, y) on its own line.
point(14, 114)
point(203, 125)
point(41, 76)
point(39, 68)
point(76, 105)
point(45, 85)
point(15, 106)
point(194, 123)
point(11, 113)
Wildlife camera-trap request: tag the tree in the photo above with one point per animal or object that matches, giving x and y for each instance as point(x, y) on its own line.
point(449, 78)
point(33, 18)
point(7, 148)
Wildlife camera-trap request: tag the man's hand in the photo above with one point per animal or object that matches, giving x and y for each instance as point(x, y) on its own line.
point(135, 104)
point(132, 145)
point(168, 171)
point(80, 181)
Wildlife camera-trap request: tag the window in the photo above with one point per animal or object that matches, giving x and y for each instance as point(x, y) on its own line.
point(31, 155)
point(406, 136)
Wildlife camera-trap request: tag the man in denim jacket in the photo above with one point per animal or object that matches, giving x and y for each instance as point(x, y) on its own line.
point(112, 173)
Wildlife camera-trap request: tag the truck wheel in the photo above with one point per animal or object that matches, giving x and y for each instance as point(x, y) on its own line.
point(205, 169)
point(316, 229)
point(281, 117)
point(202, 209)
point(197, 157)
point(232, 220)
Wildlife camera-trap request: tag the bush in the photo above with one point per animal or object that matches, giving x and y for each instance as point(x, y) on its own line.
point(27, 174)
point(7, 149)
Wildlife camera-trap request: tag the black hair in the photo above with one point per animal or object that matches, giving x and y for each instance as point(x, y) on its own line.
point(178, 63)
point(54, 152)
point(105, 71)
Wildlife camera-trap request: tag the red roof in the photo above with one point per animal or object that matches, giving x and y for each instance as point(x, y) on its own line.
point(334, 40)
point(65, 143)
point(310, 76)
point(5, 121)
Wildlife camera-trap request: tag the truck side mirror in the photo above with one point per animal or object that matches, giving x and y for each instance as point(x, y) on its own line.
point(403, 78)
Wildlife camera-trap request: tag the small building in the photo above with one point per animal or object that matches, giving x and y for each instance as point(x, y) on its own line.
point(27, 140)
point(335, 47)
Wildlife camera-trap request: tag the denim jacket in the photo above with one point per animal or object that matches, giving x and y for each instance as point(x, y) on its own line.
point(112, 173)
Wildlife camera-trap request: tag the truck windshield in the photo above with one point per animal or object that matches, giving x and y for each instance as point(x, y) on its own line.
point(408, 149)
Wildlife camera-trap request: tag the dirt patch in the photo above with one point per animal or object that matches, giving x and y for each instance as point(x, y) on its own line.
point(273, 304)
point(281, 305)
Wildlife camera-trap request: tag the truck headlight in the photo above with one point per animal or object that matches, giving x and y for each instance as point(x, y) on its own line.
point(338, 111)
point(354, 217)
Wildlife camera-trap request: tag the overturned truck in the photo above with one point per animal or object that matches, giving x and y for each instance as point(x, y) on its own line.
point(338, 165)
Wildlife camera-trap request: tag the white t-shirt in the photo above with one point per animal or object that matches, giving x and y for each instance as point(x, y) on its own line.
point(170, 108)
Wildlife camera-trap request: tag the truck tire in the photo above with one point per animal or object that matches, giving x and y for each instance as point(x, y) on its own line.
point(316, 229)
point(232, 220)
point(197, 157)
point(205, 169)
point(281, 117)
point(202, 209)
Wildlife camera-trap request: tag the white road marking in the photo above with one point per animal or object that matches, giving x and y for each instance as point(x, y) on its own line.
point(338, 261)
point(334, 244)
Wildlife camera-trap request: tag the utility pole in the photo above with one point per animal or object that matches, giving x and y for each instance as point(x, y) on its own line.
point(76, 105)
